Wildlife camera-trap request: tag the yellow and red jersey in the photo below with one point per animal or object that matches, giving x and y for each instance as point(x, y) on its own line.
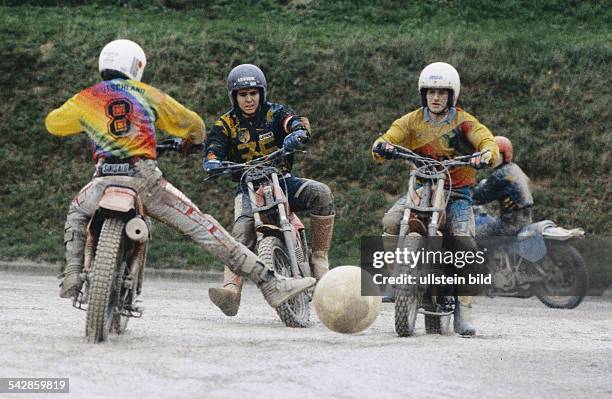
point(460, 134)
point(120, 116)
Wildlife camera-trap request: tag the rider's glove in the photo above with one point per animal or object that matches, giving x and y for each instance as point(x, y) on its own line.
point(210, 165)
point(295, 140)
point(384, 150)
point(482, 161)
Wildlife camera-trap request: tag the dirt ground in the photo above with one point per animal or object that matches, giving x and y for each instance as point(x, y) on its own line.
point(183, 347)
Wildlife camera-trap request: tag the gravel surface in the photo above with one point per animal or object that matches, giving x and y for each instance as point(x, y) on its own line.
point(183, 347)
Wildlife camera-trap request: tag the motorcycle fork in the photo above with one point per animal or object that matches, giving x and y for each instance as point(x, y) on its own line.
point(437, 294)
point(256, 215)
point(287, 229)
point(438, 202)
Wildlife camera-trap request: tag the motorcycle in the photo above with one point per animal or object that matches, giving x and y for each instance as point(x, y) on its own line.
point(115, 258)
point(420, 229)
point(281, 239)
point(539, 261)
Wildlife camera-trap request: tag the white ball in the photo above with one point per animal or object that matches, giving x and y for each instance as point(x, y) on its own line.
point(339, 304)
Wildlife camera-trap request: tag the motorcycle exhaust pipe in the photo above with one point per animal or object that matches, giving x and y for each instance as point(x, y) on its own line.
point(137, 230)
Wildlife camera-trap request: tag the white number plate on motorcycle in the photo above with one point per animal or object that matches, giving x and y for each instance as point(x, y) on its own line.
point(115, 168)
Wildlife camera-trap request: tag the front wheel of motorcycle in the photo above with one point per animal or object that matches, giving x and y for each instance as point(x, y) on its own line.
point(103, 288)
point(296, 311)
point(406, 308)
point(566, 278)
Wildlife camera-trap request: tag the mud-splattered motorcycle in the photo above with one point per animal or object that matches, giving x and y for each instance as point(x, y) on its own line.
point(281, 238)
point(420, 230)
point(539, 261)
point(115, 258)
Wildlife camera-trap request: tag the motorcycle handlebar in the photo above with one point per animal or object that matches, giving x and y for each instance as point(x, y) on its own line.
point(228, 167)
point(176, 145)
point(405, 153)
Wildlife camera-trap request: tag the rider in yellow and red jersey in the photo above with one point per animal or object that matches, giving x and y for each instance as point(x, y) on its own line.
point(440, 130)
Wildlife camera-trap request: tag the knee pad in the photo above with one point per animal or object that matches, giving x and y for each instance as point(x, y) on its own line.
point(318, 198)
point(391, 223)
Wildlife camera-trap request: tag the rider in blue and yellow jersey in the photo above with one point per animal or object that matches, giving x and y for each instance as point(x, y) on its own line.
point(252, 128)
point(508, 185)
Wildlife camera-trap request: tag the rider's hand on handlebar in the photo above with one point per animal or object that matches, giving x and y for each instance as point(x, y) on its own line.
point(385, 150)
point(210, 165)
point(481, 161)
point(295, 140)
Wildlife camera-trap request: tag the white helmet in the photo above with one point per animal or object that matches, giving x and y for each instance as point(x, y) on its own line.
point(123, 56)
point(440, 75)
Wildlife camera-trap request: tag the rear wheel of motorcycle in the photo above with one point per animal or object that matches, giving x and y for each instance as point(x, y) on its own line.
point(406, 307)
point(567, 270)
point(296, 311)
point(102, 291)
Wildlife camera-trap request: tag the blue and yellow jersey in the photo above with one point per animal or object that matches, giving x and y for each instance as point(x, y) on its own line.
point(120, 117)
point(462, 134)
point(508, 185)
point(236, 138)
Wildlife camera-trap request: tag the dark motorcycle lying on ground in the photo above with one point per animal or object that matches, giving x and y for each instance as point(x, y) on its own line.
point(114, 259)
point(539, 261)
point(424, 214)
point(281, 238)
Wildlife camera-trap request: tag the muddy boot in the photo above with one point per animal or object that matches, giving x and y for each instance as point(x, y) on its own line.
point(74, 244)
point(322, 231)
point(463, 322)
point(72, 282)
point(227, 298)
point(388, 295)
point(275, 288)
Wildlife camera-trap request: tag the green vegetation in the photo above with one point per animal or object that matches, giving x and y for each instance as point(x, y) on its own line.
point(537, 72)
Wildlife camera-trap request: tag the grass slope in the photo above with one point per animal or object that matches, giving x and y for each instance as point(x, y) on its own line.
point(536, 72)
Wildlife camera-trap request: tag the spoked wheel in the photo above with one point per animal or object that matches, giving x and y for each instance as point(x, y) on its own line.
point(103, 290)
point(566, 278)
point(120, 322)
point(406, 307)
point(295, 312)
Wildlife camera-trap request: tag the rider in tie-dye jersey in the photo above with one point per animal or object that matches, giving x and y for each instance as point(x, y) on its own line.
point(120, 115)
